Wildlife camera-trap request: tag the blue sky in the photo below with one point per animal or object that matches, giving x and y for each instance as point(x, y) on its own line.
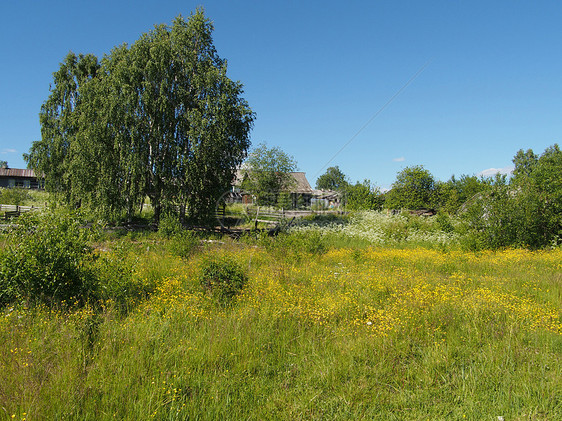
point(316, 71)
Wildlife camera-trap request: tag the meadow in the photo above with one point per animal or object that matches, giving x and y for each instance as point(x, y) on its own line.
point(328, 325)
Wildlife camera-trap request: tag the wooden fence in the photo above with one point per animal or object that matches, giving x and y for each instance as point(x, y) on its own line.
point(12, 211)
point(266, 215)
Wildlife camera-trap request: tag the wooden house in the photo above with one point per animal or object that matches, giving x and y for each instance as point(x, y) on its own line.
point(301, 193)
point(20, 178)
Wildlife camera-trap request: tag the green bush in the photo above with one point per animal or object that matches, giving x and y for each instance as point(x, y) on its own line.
point(309, 242)
point(169, 225)
point(46, 260)
point(14, 196)
point(119, 282)
point(444, 222)
point(183, 244)
point(222, 278)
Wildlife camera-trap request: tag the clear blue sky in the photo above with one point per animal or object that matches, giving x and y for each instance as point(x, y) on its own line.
point(316, 71)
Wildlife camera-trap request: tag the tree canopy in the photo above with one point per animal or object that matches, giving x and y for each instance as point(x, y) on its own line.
point(332, 179)
point(362, 196)
point(527, 210)
point(414, 188)
point(159, 119)
point(267, 173)
point(450, 196)
point(524, 161)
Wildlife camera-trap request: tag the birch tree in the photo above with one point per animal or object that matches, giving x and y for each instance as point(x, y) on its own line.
point(160, 119)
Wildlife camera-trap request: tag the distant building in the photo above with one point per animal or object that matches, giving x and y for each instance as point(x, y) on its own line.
point(301, 192)
point(20, 178)
point(328, 199)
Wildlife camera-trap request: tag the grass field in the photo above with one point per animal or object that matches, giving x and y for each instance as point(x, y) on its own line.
point(317, 333)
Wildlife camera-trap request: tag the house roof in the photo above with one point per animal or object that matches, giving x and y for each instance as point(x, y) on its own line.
point(16, 172)
point(301, 183)
point(327, 194)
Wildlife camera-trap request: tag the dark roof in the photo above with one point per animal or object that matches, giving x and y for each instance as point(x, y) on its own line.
point(16, 172)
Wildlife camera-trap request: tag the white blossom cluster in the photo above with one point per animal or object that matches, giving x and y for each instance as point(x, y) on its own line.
point(382, 228)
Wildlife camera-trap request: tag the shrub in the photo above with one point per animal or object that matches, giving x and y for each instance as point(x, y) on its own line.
point(444, 222)
point(119, 278)
point(169, 225)
point(183, 244)
point(222, 278)
point(14, 196)
point(46, 260)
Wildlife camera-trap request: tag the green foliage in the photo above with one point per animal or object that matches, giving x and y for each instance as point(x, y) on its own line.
point(332, 179)
point(46, 260)
point(524, 163)
point(295, 244)
point(268, 173)
point(362, 196)
point(325, 218)
point(59, 119)
point(414, 188)
point(117, 281)
point(444, 222)
point(184, 244)
point(14, 196)
point(159, 118)
point(181, 242)
point(526, 212)
point(453, 194)
point(284, 200)
point(169, 225)
point(311, 243)
point(222, 278)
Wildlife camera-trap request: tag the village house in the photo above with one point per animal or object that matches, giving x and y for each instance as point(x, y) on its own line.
point(301, 192)
point(20, 178)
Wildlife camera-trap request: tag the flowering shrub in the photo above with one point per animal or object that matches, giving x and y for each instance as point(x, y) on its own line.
point(46, 260)
point(384, 229)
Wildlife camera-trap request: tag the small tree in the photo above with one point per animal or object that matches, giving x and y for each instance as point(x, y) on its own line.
point(363, 196)
point(414, 188)
point(528, 210)
point(284, 200)
point(46, 260)
point(268, 173)
point(524, 163)
point(332, 179)
point(450, 196)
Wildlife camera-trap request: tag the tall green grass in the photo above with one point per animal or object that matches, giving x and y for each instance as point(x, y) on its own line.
point(318, 332)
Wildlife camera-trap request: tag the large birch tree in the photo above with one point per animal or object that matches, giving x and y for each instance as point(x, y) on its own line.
point(160, 119)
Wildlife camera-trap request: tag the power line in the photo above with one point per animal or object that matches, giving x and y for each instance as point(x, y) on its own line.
point(380, 110)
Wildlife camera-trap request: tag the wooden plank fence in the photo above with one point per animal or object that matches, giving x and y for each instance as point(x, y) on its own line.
point(266, 215)
point(13, 211)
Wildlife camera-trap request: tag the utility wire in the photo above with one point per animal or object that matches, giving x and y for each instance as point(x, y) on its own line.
point(380, 110)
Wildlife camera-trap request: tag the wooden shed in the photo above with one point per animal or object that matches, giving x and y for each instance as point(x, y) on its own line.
point(21, 178)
